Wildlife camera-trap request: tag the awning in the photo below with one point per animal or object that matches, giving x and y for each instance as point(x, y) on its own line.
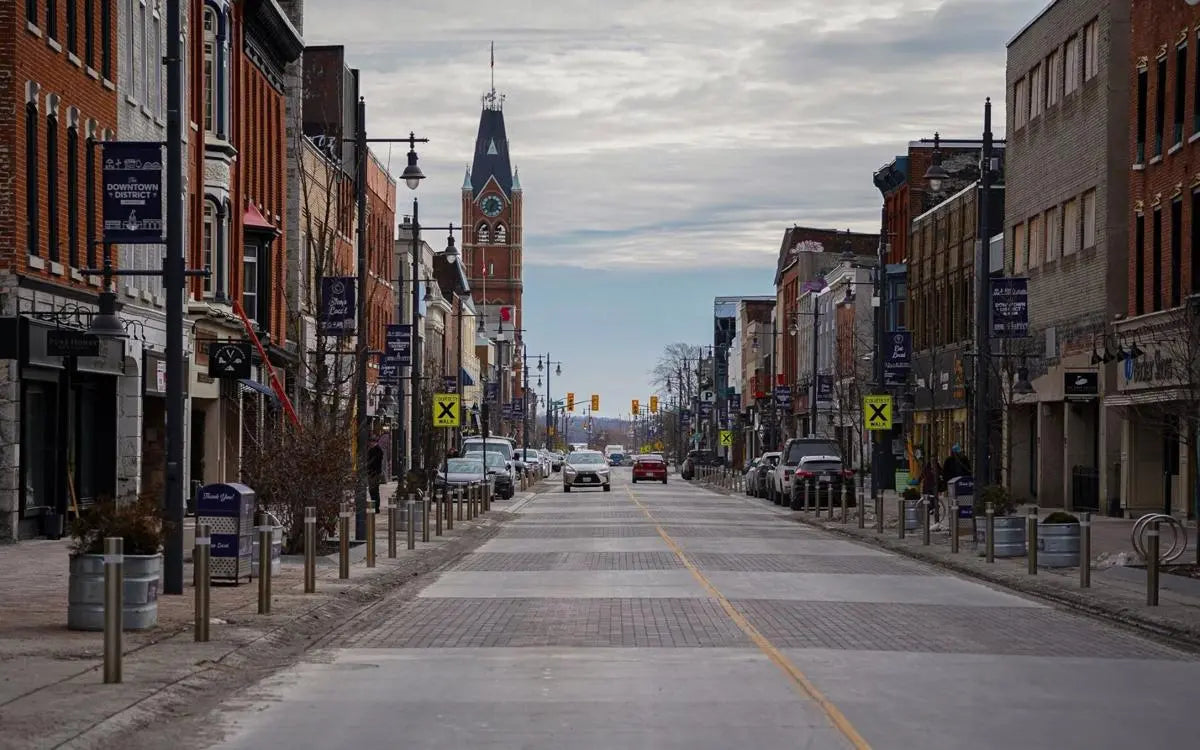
point(254, 221)
point(254, 385)
point(466, 378)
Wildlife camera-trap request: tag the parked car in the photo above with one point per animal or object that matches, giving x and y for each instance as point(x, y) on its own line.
point(747, 472)
point(533, 462)
point(760, 481)
point(651, 467)
point(500, 470)
point(587, 469)
point(824, 475)
point(459, 472)
point(793, 451)
point(556, 460)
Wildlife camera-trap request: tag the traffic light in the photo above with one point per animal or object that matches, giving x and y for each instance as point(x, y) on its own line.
point(634, 407)
point(595, 402)
point(570, 402)
point(654, 404)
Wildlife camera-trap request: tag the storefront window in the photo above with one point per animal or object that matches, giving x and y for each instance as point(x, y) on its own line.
point(37, 448)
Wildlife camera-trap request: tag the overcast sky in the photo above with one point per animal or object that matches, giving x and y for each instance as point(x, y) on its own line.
point(656, 136)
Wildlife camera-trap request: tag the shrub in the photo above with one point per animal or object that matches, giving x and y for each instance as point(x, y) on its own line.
point(911, 493)
point(1059, 516)
point(139, 523)
point(1002, 502)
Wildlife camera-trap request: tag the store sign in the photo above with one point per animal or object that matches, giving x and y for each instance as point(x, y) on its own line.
point(399, 343)
point(338, 309)
point(491, 392)
point(897, 357)
point(133, 191)
point(783, 395)
point(229, 360)
point(1010, 307)
point(65, 342)
point(1081, 386)
point(389, 369)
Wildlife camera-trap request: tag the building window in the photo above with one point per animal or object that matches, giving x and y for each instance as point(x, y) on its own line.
point(1139, 264)
point(1091, 50)
point(250, 283)
point(1019, 249)
point(1160, 107)
point(1037, 91)
point(106, 40)
point(156, 91)
point(52, 19)
point(209, 246)
point(1021, 103)
point(1054, 76)
point(1195, 245)
point(89, 187)
point(144, 31)
point(210, 69)
point(73, 195)
point(1156, 259)
point(72, 36)
point(1071, 65)
point(1088, 220)
point(1070, 227)
point(130, 30)
point(1053, 234)
point(501, 234)
point(89, 33)
point(1142, 100)
point(1036, 233)
point(1176, 251)
point(31, 178)
point(1180, 91)
point(31, 14)
point(482, 235)
point(52, 186)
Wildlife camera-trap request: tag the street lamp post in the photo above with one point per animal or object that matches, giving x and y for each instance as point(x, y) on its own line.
point(546, 362)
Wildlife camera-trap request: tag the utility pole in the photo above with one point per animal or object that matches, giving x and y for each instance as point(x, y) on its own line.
point(983, 344)
point(174, 281)
point(361, 432)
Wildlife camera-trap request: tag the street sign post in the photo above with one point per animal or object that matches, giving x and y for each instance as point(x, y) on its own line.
point(445, 410)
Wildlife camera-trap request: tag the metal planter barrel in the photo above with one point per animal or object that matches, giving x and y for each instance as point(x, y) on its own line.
point(1010, 536)
point(912, 518)
point(1058, 545)
point(85, 599)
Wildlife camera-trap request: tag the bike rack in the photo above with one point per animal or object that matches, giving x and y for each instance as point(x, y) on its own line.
point(1179, 538)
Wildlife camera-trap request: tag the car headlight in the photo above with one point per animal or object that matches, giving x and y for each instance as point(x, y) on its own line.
point(570, 469)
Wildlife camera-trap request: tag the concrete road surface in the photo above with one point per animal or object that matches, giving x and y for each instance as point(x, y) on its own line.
point(672, 617)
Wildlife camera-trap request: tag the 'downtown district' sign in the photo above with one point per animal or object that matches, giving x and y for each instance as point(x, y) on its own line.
point(133, 192)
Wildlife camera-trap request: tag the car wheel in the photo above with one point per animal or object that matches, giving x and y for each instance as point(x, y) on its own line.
point(634, 481)
point(566, 488)
point(608, 488)
point(664, 480)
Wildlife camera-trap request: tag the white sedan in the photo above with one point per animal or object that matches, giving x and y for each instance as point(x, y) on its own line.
point(586, 469)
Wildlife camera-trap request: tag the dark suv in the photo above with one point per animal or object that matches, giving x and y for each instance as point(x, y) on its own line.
point(816, 462)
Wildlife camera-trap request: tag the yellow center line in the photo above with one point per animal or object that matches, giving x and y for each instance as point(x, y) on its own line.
point(799, 680)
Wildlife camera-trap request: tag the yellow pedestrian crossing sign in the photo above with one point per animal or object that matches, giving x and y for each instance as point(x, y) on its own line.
point(726, 438)
point(445, 410)
point(877, 412)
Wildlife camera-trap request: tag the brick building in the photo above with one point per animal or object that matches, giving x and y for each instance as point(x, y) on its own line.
point(1157, 344)
point(754, 380)
point(1066, 225)
point(58, 103)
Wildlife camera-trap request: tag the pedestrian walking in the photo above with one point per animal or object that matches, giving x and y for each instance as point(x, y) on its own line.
point(928, 478)
point(375, 470)
point(956, 465)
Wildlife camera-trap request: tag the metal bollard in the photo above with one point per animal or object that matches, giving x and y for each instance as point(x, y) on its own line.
point(1085, 550)
point(989, 532)
point(410, 509)
point(458, 505)
point(828, 499)
point(264, 562)
point(1031, 540)
point(953, 520)
point(438, 503)
point(114, 604)
point(202, 579)
point(449, 498)
point(487, 497)
point(310, 549)
point(344, 541)
point(473, 501)
point(925, 522)
point(370, 534)
point(879, 513)
point(804, 500)
point(901, 503)
point(845, 502)
point(425, 503)
point(1152, 565)
point(860, 509)
point(393, 520)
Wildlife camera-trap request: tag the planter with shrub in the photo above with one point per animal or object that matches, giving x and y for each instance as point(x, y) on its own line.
point(1009, 529)
point(1058, 541)
point(138, 523)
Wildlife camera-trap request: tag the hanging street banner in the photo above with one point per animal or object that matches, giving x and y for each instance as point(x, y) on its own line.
point(1010, 307)
point(450, 384)
point(897, 357)
point(338, 309)
point(518, 406)
point(445, 410)
point(825, 389)
point(389, 369)
point(783, 395)
point(735, 402)
point(133, 192)
point(685, 416)
point(399, 343)
point(229, 360)
point(491, 392)
point(705, 409)
point(877, 412)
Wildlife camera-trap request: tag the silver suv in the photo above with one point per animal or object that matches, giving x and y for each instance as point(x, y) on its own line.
point(782, 487)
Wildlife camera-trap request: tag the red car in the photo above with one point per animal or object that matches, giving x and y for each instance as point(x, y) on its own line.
point(653, 468)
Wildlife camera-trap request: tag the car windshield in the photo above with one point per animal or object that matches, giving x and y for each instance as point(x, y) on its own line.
point(493, 458)
point(476, 445)
point(802, 448)
point(578, 459)
point(464, 466)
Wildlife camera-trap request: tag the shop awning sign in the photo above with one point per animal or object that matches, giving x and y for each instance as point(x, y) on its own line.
point(229, 360)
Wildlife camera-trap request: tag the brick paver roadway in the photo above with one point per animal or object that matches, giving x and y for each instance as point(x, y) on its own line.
point(673, 617)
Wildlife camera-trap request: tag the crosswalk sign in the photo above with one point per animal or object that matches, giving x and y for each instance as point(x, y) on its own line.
point(726, 438)
point(445, 410)
point(877, 412)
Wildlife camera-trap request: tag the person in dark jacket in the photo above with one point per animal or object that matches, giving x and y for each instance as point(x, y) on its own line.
point(956, 465)
point(374, 471)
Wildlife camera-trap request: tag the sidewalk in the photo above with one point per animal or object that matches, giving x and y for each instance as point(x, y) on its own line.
point(51, 688)
point(1117, 592)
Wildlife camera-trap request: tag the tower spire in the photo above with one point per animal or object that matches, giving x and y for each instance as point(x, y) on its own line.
point(493, 66)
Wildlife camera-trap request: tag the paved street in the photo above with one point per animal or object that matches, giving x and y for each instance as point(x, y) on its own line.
point(675, 617)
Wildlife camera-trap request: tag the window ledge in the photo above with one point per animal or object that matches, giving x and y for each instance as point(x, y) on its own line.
point(93, 72)
point(37, 263)
point(130, 100)
point(75, 59)
point(53, 44)
point(110, 85)
point(1194, 137)
point(1138, 167)
point(147, 113)
point(95, 280)
point(1156, 160)
point(131, 290)
point(1175, 149)
point(160, 300)
point(147, 296)
point(76, 275)
point(32, 28)
point(56, 268)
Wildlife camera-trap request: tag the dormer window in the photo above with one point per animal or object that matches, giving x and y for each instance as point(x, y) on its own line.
point(482, 235)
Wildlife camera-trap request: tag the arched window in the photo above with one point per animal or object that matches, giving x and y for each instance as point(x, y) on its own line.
point(501, 234)
point(482, 235)
point(210, 69)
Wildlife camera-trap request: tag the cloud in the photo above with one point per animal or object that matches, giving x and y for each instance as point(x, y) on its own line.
point(667, 133)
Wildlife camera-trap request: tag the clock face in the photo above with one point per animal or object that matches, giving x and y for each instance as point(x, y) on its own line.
point(491, 205)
